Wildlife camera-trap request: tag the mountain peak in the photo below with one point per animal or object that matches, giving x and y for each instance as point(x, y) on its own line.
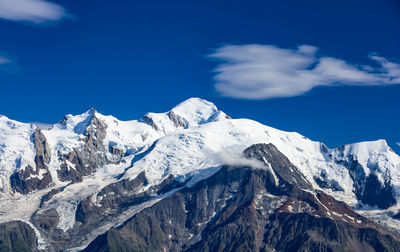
point(366, 148)
point(189, 113)
point(89, 113)
point(77, 123)
point(194, 103)
point(195, 111)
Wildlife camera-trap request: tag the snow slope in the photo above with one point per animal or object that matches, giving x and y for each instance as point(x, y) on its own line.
point(194, 150)
point(16, 149)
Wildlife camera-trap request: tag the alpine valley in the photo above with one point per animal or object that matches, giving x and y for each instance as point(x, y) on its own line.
point(191, 179)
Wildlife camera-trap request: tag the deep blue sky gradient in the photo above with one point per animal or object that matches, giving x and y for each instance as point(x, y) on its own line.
point(126, 58)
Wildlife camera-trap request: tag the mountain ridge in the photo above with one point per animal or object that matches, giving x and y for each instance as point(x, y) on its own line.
point(96, 163)
point(201, 222)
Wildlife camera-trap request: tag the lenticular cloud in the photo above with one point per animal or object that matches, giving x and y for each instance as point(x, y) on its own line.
point(34, 11)
point(265, 71)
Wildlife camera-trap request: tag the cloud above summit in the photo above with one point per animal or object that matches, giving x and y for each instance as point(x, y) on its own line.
point(257, 71)
point(31, 11)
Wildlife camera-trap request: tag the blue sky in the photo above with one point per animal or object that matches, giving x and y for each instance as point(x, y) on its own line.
point(326, 69)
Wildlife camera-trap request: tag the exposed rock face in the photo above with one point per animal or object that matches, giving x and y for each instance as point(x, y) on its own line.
point(30, 179)
point(376, 194)
point(178, 121)
point(303, 232)
point(115, 197)
point(49, 195)
point(17, 236)
point(325, 183)
point(88, 157)
point(278, 164)
point(358, 176)
point(94, 212)
point(150, 121)
point(368, 189)
point(116, 153)
point(246, 209)
point(42, 148)
point(46, 220)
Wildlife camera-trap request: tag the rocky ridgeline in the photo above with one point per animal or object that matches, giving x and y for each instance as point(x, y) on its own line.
point(96, 183)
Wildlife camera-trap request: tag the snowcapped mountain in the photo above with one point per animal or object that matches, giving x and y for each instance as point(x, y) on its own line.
point(89, 173)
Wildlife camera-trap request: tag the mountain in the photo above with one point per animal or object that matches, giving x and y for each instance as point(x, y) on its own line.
point(190, 179)
point(245, 209)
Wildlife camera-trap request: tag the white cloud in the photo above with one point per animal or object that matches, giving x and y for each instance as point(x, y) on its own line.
point(266, 71)
point(43, 126)
point(398, 143)
point(34, 11)
point(4, 60)
point(237, 159)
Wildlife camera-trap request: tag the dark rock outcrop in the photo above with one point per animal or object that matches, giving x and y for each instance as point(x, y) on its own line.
point(113, 198)
point(46, 220)
point(368, 189)
point(178, 121)
point(31, 179)
point(116, 152)
point(93, 212)
point(325, 183)
point(376, 194)
point(91, 155)
point(17, 236)
point(148, 120)
point(50, 195)
point(358, 176)
point(278, 164)
point(303, 232)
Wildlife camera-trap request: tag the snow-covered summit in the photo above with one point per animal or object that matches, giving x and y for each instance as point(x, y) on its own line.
point(373, 156)
point(362, 150)
point(190, 113)
point(195, 111)
point(77, 123)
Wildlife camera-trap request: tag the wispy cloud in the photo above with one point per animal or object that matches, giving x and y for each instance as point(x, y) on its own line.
point(398, 143)
point(43, 126)
point(33, 11)
point(4, 60)
point(266, 71)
